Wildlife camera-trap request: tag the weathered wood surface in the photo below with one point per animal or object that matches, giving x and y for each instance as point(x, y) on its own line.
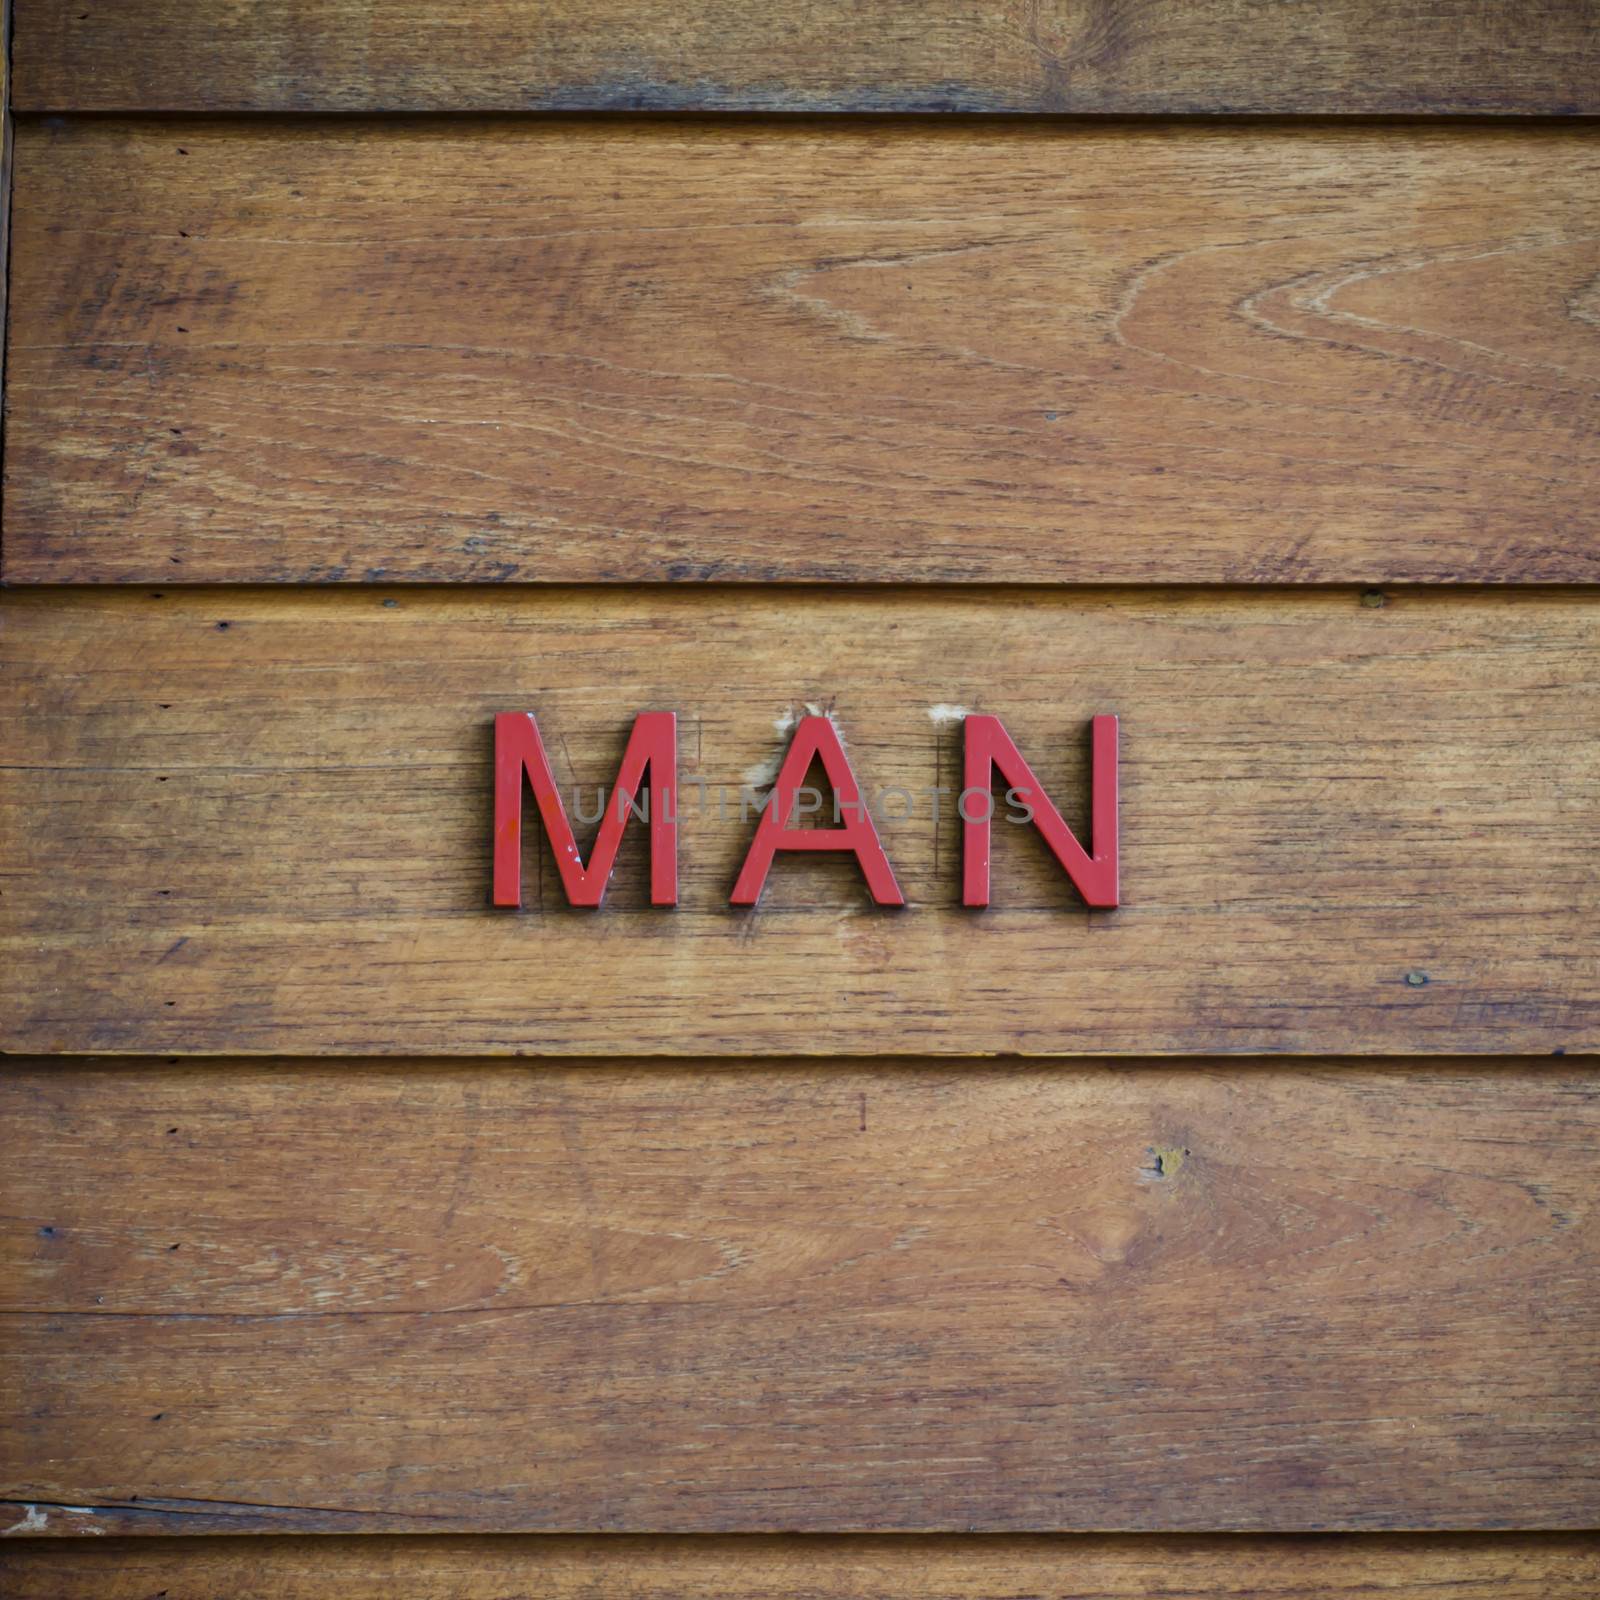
point(260, 822)
point(618, 1567)
point(5, 191)
point(574, 352)
point(791, 1295)
point(1337, 57)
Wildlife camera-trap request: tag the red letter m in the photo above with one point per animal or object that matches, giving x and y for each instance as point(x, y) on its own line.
point(988, 746)
point(518, 749)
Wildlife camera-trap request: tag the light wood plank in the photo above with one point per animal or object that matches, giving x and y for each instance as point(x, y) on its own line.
point(260, 821)
point(1348, 1567)
point(318, 1296)
point(548, 351)
point(813, 55)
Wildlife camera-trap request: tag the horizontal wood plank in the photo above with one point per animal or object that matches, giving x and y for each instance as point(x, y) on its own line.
point(5, 177)
point(813, 55)
point(552, 351)
point(315, 1296)
point(815, 1567)
point(260, 821)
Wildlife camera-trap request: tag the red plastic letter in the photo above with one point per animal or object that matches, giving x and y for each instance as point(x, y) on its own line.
point(988, 745)
point(815, 736)
point(518, 749)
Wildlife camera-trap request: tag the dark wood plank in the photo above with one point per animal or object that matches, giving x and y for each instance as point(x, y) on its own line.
point(815, 1567)
point(5, 190)
point(319, 1296)
point(574, 352)
point(260, 821)
point(813, 55)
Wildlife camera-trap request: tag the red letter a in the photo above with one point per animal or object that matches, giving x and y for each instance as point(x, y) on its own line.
point(988, 745)
point(518, 749)
point(815, 736)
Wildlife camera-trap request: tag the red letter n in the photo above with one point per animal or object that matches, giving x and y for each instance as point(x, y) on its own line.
point(988, 745)
point(815, 737)
point(518, 749)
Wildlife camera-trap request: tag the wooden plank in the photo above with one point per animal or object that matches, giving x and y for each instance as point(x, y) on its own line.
point(5, 192)
point(813, 55)
point(766, 1296)
point(260, 821)
point(816, 1567)
point(572, 352)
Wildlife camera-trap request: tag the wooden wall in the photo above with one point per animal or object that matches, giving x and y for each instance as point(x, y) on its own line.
point(1228, 366)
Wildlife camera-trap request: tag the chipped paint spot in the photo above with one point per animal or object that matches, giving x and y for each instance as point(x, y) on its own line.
point(944, 713)
point(34, 1522)
point(763, 773)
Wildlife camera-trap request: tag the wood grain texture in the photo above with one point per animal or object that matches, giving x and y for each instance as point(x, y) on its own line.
point(260, 822)
point(576, 352)
point(619, 1567)
point(1336, 57)
point(319, 1296)
point(5, 192)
